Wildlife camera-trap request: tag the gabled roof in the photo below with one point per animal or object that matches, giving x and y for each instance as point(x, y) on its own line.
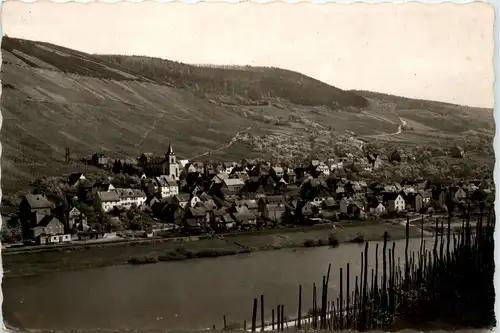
point(277, 169)
point(426, 194)
point(74, 177)
point(357, 204)
point(247, 203)
point(197, 212)
point(38, 201)
point(227, 218)
point(243, 216)
point(192, 223)
point(233, 182)
point(103, 186)
point(74, 210)
point(222, 176)
point(251, 187)
point(330, 202)
point(274, 199)
point(374, 204)
point(46, 220)
point(390, 196)
point(129, 193)
point(182, 197)
point(108, 196)
point(164, 181)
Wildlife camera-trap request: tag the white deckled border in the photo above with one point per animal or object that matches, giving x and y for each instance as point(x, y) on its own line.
point(496, 55)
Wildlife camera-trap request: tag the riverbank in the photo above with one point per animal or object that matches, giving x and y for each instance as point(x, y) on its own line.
point(25, 264)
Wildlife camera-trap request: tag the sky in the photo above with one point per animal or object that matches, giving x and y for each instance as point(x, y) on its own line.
point(440, 52)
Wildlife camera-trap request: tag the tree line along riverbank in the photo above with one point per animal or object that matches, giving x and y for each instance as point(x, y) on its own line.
point(22, 264)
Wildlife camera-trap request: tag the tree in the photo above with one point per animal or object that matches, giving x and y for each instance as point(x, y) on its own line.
point(117, 167)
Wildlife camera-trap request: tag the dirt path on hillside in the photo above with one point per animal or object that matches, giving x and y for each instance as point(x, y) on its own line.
point(399, 131)
point(233, 140)
point(153, 126)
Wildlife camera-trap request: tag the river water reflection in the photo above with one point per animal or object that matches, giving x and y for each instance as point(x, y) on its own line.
point(186, 295)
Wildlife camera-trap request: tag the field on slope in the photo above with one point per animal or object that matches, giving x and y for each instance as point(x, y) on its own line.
point(55, 98)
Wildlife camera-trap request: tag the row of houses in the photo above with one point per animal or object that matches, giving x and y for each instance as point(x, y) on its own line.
point(225, 195)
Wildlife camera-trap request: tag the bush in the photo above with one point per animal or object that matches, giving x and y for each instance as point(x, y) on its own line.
point(358, 239)
point(310, 243)
point(140, 260)
point(333, 241)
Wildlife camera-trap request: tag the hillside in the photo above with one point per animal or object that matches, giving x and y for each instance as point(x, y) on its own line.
point(55, 98)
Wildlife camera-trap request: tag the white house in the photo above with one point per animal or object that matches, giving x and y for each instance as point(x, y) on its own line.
point(323, 168)
point(336, 166)
point(394, 202)
point(128, 197)
point(167, 186)
point(377, 208)
point(108, 200)
point(227, 169)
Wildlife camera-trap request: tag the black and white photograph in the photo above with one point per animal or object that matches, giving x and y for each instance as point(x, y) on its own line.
point(214, 166)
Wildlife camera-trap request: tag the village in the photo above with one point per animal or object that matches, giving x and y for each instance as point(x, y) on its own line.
point(167, 197)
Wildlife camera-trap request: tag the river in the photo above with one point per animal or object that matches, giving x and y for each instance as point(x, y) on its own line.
point(187, 295)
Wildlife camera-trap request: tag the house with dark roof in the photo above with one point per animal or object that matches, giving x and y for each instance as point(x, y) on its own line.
point(374, 160)
point(245, 219)
point(32, 209)
point(457, 193)
point(231, 186)
point(75, 179)
point(277, 172)
point(330, 204)
point(130, 197)
point(290, 176)
point(457, 152)
point(440, 195)
point(320, 196)
point(192, 226)
point(376, 208)
point(356, 209)
point(182, 199)
point(108, 200)
point(77, 219)
point(413, 200)
point(103, 186)
point(200, 214)
point(394, 202)
point(306, 210)
point(49, 225)
point(252, 190)
point(167, 186)
point(249, 204)
point(426, 197)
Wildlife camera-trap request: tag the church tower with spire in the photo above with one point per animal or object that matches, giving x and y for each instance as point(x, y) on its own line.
point(172, 168)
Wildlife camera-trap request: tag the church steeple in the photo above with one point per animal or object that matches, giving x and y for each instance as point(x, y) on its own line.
point(170, 150)
point(171, 168)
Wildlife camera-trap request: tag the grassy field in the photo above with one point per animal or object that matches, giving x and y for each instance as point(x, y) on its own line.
point(80, 258)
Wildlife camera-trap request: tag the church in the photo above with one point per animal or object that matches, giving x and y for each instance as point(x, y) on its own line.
point(167, 166)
